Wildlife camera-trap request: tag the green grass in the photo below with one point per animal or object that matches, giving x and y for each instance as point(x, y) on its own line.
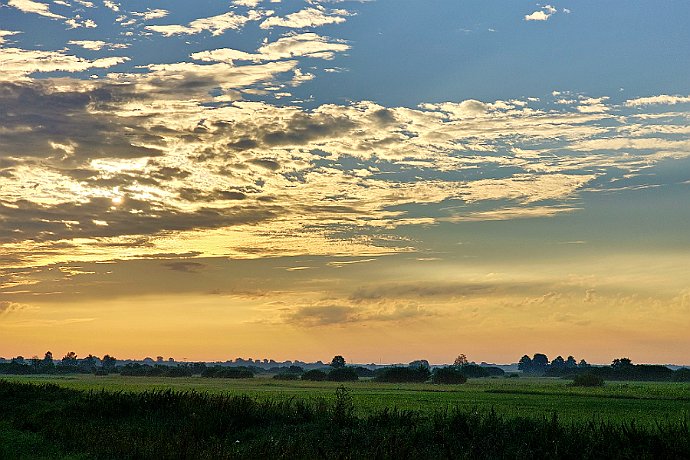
point(646, 403)
point(50, 421)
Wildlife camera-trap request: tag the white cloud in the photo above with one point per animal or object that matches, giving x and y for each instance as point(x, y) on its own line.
point(151, 14)
point(215, 24)
point(660, 99)
point(541, 15)
point(309, 17)
point(291, 46)
point(6, 33)
point(111, 5)
point(96, 45)
point(17, 63)
point(30, 6)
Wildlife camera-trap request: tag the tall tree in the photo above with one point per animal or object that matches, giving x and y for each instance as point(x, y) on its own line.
point(338, 362)
point(525, 364)
point(539, 363)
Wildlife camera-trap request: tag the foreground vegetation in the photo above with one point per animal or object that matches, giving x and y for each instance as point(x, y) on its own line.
point(644, 402)
point(51, 421)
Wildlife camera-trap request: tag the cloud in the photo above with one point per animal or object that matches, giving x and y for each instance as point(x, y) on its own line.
point(657, 100)
point(340, 315)
point(30, 6)
point(309, 17)
point(185, 266)
point(541, 15)
point(97, 45)
point(18, 63)
point(289, 47)
point(9, 307)
point(151, 14)
point(6, 33)
point(215, 24)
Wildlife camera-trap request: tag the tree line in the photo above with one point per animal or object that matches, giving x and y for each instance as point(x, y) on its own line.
point(619, 369)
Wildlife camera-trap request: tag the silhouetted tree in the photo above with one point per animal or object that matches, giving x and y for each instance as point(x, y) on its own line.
point(570, 363)
point(461, 360)
point(70, 359)
point(108, 362)
point(525, 364)
point(540, 362)
point(558, 363)
point(338, 362)
point(48, 359)
point(621, 363)
point(583, 364)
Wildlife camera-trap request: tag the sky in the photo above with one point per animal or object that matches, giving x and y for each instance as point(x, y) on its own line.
point(388, 180)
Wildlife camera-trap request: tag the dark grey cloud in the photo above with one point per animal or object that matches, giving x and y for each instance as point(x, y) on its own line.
point(185, 266)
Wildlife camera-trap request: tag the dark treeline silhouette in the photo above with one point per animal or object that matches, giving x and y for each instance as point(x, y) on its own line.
point(48, 421)
point(620, 369)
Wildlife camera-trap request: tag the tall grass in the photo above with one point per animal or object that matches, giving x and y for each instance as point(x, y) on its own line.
point(169, 424)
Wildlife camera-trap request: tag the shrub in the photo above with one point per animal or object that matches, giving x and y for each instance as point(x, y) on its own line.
point(286, 376)
point(227, 372)
point(588, 380)
point(404, 374)
point(315, 375)
point(682, 375)
point(448, 375)
point(343, 374)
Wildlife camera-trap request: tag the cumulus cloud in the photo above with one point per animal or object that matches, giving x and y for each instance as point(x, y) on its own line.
point(6, 33)
point(658, 100)
point(17, 62)
point(541, 15)
point(214, 24)
point(289, 47)
point(309, 17)
point(31, 6)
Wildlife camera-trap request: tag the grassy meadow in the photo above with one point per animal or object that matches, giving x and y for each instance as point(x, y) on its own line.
point(115, 417)
point(644, 402)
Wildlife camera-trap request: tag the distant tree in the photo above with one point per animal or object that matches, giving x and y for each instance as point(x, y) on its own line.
point(540, 362)
point(48, 358)
point(588, 380)
point(338, 362)
point(159, 359)
point(315, 375)
point(343, 374)
point(461, 360)
point(525, 364)
point(70, 359)
point(448, 375)
point(558, 363)
point(570, 363)
point(108, 362)
point(621, 363)
point(420, 363)
point(404, 374)
point(583, 364)
point(89, 363)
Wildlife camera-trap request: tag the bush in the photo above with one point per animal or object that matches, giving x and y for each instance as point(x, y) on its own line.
point(404, 375)
point(315, 375)
point(475, 371)
point(682, 375)
point(588, 380)
point(343, 374)
point(227, 372)
point(286, 376)
point(448, 375)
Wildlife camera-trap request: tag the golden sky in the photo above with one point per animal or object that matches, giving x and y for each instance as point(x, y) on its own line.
point(298, 179)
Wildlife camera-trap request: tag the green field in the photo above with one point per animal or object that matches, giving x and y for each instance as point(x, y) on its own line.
point(644, 402)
